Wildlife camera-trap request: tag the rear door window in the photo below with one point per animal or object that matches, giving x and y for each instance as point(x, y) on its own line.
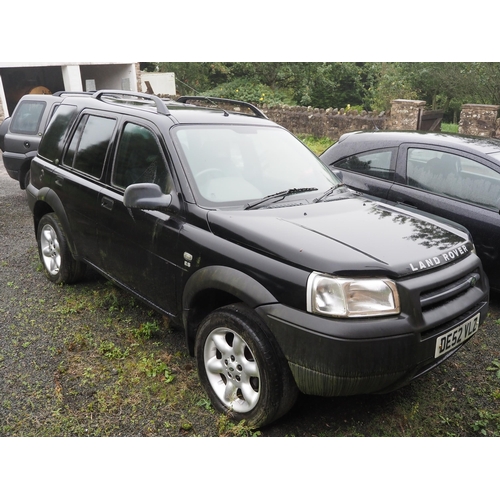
point(89, 146)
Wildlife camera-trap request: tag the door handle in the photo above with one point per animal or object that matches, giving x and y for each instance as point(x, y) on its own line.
point(107, 203)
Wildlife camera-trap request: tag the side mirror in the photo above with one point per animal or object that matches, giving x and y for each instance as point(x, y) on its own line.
point(147, 196)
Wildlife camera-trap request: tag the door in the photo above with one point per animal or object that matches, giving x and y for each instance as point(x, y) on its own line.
point(138, 247)
point(79, 180)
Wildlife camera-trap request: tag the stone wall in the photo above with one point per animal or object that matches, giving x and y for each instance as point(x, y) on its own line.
point(405, 114)
point(475, 119)
point(330, 123)
point(479, 119)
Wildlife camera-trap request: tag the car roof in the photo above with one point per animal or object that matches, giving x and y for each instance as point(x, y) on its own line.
point(392, 138)
point(40, 97)
point(212, 111)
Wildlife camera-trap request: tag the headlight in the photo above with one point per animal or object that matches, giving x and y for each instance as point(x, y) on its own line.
point(348, 298)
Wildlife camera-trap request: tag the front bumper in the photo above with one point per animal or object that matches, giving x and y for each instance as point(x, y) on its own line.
point(333, 357)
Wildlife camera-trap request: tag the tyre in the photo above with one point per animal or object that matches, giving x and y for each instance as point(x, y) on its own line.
point(55, 255)
point(26, 179)
point(242, 368)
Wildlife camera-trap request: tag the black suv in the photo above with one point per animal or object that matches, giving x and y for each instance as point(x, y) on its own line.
point(282, 278)
point(20, 134)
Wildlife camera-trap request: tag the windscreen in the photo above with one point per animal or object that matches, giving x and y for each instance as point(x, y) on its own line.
point(237, 164)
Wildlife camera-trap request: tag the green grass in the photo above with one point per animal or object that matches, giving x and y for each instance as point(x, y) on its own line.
point(449, 127)
point(316, 144)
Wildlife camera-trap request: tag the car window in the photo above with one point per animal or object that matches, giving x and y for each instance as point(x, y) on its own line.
point(54, 136)
point(139, 159)
point(374, 163)
point(231, 164)
point(89, 145)
point(455, 176)
point(26, 119)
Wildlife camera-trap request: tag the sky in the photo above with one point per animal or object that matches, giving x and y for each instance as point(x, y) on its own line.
point(253, 31)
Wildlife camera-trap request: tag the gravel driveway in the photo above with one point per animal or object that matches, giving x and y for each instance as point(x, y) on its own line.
point(461, 397)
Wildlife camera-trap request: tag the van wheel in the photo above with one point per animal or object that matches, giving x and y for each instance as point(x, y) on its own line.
point(54, 252)
point(242, 368)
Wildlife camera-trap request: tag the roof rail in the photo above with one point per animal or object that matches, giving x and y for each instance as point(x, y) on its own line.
point(135, 99)
point(71, 92)
point(256, 111)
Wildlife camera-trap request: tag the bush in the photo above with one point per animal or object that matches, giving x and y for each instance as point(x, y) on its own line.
point(255, 93)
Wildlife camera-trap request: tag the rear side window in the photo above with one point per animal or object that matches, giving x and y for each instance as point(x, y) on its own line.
point(374, 163)
point(89, 145)
point(53, 138)
point(26, 119)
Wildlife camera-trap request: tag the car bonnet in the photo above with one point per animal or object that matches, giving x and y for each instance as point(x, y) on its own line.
point(346, 235)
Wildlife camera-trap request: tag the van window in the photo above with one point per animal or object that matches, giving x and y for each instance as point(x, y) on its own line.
point(26, 119)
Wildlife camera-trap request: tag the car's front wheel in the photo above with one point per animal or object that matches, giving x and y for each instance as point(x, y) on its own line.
point(242, 368)
point(55, 255)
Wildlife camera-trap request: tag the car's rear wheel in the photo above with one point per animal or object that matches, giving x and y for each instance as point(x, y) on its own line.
point(242, 368)
point(55, 255)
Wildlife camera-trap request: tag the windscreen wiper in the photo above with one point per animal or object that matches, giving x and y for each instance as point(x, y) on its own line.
point(278, 196)
point(328, 192)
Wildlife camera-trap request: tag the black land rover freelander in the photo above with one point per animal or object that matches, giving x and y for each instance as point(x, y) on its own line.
point(282, 278)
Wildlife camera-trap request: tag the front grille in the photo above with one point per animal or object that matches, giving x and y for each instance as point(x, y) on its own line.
point(440, 295)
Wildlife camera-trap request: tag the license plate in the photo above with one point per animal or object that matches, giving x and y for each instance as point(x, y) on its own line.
point(457, 336)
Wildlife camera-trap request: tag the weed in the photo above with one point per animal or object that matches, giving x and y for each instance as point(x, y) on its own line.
point(72, 305)
point(111, 351)
point(205, 403)
point(186, 425)
point(488, 423)
point(146, 330)
point(155, 367)
point(228, 428)
point(495, 367)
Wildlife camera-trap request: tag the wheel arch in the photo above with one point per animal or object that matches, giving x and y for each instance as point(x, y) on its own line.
point(216, 286)
point(48, 202)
